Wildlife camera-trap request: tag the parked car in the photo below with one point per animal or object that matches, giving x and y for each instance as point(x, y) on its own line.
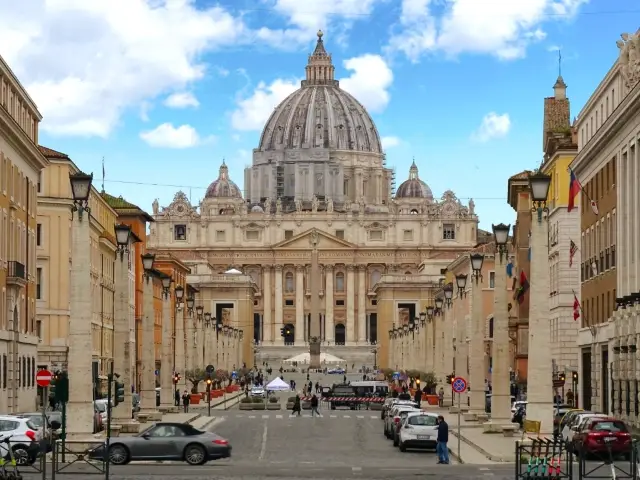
point(396, 428)
point(54, 424)
point(419, 430)
point(576, 424)
point(389, 403)
point(25, 438)
point(603, 436)
point(166, 441)
point(257, 392)
point(393, 418)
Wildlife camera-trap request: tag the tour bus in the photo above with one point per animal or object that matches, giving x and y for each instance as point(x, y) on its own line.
point(371, 388)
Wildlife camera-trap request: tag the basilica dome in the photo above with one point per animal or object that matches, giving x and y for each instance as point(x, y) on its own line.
point(223, 187)
point(414, 187)
point(320, 114)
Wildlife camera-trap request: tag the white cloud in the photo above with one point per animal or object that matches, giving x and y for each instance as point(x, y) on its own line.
point(502, 28)
point(168, 136)
point(369, 81)
point(253, 111)
point(389, 142)
point(492, 126)
point(181, 100)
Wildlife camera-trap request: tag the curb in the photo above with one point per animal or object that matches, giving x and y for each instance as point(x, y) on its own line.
point(455, 456)
point(481, 450)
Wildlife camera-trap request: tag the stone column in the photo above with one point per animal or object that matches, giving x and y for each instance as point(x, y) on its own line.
point(198, 344)
point(277, 303)
point(267, 324)
point(540, 385)
point(500, 379)
point(448, 352)
point(122, 344)
point(362, 305)
point(148, 361)
point(180, 358)
point(328, 304)
point(476, 374)
point(166, 364)
point(462, 351)
point(79, 362)
point(189, 348)
point(351, 304)
point(300, 319)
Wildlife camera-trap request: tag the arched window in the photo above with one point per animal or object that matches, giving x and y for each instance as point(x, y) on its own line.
point(339, 282)
point(413, 212)
point(288, 282)
point(375, 277)
point(407, 273)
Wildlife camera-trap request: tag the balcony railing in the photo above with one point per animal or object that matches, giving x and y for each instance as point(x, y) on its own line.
point(16, 273)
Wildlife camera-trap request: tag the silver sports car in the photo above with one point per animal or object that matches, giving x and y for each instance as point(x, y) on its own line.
point(167, 441)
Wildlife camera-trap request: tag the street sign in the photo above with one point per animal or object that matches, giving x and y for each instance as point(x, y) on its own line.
point(459, 385)
point(558, 383)
point(43, 378)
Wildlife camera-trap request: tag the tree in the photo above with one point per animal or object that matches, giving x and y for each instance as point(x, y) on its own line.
point(388, 373)
point(429, 381)
point(195, 376)
point(220, 376)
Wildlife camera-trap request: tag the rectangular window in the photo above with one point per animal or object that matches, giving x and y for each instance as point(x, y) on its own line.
point(407, 235)
point(180, 232)
point(39, 329)
point(38, 234)
point(38, 283)
point(288, 234)
point(448, 231)
point(375, 235)
point(252, 235)
point(221, 236)
point(340, 303)
point(492, 279)
point(288, 303)
point(340, 234)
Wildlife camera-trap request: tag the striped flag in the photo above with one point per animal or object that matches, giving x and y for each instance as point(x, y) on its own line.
point(576, 308)
point(573, 249)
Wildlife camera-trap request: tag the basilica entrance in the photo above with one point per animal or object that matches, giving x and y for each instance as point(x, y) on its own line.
point(340, 334)
point(289, 334)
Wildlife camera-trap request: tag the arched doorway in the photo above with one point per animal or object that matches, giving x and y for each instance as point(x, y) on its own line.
point(340, 334)
point(289, 334)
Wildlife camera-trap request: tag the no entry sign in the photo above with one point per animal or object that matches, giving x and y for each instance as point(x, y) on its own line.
point(459, 384)
point(43, 378)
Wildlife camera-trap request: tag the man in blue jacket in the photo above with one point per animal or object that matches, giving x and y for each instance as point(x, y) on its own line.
point(443, 438)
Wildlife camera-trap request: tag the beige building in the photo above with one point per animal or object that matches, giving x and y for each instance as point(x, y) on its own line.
point(53, 275)
point(319, 167)
point(20, 165)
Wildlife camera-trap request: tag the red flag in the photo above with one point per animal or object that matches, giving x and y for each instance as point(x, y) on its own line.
point(576, 308)
point(574, 190)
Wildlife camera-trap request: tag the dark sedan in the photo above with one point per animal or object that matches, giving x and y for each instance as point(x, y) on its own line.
point(167, 441)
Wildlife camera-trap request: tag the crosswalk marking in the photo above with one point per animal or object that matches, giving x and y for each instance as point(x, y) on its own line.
point(360, 416)
point(333, 416)
point(290, 415)
point(278, 416)
point(265, 416)
point(346, 416)
point(252, 416)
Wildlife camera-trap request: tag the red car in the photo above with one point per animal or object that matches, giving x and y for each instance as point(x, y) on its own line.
point(603, 435)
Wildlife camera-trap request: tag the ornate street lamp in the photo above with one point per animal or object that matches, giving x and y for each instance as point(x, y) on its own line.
point(430, 312)
point(539, 185)
point(461, 283)
point(207, 319)
point(199, 311)
point(80, 191)
point(448, 294)
point(501, 237)
point(390, 333)
point(423, 318)
point(147, 264)
point(190, 303)
point(166, 285)
point(439, 302)
point(477, 259)
point(179, 291)
point(123, 234)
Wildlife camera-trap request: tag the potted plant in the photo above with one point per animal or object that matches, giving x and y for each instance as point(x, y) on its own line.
point(195, 376)
point(429, 385)
point(258, 404)
point(246, 403)
point(273, 404)
point(290, 402)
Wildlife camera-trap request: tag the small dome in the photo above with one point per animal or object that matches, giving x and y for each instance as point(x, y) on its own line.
point(257, 209)
point(223, 187)
point(414, 187)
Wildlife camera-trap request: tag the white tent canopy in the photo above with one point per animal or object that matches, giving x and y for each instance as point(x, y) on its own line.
point(325, 358)
point(233, 271)
point(277, 385)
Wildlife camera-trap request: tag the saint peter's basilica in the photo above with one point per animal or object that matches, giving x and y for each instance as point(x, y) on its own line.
point(319, 172)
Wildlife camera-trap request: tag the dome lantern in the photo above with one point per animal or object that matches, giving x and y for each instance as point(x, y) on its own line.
point(223, 187)
point(320, 69)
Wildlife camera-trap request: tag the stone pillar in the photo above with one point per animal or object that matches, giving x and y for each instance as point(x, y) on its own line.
point(278, 340)
point(362, 305)
point(328, 304)
point(351, 303)
point(148, 361)
point(208, 356)
point(198, 344)
point(79, 361)
point(540, 385)
point(461, 350)
point(267, 324)
point(166, 364)
point(180, 357)
point(189, 347)
point(122, 344)
point(447, 368)
point(476, 374)
point(300, 318)
point(500, 379)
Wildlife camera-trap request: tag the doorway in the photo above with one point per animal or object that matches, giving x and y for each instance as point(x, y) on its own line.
point(340, 334)
point(289, 334)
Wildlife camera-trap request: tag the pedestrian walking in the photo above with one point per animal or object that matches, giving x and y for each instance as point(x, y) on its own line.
point(296, 406)
point(314, 406)
point(186, 399)
point(443, 438)
point(177, 397)
point(441, 397)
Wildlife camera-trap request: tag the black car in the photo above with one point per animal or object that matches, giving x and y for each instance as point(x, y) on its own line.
point(343, 396)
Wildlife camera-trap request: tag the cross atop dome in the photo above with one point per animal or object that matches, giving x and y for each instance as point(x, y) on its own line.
point(320, 69)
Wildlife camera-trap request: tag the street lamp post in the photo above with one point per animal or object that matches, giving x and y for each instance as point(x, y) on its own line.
point(166, 363)
point(179, 351)
point(206, 347)
point(477, 373)
point(190, 332)
point(148, 361)
point(461, 350)
point(199, 352)
point(500, 380)
point(79, 359)
point(447, 335)
point(539, 371)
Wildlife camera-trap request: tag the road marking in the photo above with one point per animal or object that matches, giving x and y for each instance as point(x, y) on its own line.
point(263, 448)
point(374, 416)
point(252, 416)
point(306, 415)
point(356, 469)
point(346, 416)
point(360, 416)
point(483, 469)
point(333, 416)
point(278, 416)
point(239, 416)
point(265, 416)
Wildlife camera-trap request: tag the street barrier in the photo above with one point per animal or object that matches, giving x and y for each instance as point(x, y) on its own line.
point(543, 459)
point(616, 459)
point(75, 458)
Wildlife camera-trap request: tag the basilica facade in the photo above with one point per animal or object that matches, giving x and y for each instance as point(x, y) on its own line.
point(319, 173)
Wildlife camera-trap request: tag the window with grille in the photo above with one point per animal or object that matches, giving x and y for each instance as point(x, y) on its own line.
point(180, 232)
point(448, 231)
point(252, 235)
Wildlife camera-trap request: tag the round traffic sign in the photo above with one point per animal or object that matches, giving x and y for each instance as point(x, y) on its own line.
point(43, 378)
point(459, 384)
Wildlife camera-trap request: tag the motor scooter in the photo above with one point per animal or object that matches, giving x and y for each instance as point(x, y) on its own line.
point(10, 472)
point(519, 416)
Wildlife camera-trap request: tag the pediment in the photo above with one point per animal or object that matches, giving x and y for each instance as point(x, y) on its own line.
point(304, 241)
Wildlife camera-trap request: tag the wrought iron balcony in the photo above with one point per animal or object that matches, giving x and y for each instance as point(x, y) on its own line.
point(16, 274)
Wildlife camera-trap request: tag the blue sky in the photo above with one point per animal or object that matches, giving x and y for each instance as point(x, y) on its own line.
point(164, 90)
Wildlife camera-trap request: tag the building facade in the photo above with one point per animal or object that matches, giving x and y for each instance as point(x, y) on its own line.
point(319, 167)
point(560, 148)
point(53, 276)
point(20, 165)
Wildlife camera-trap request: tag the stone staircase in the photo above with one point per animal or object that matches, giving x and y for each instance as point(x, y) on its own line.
point(277, 354)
